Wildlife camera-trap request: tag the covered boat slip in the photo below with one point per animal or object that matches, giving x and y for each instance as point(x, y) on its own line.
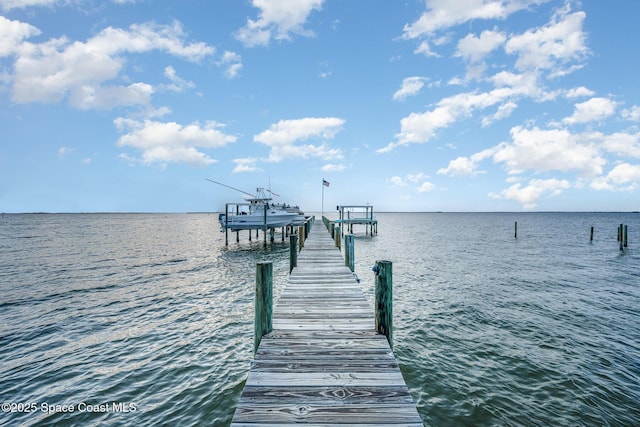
point(323, 363)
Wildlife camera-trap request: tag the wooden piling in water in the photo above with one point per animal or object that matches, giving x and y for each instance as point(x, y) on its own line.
point(349, 260)
point(263, 323)
point(591, 234)
point(625, 236)
point(384, 299)
point(516, 230)
point(620, 236)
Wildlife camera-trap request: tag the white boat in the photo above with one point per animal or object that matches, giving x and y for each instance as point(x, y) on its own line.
point(256, 214)
point(300, 218)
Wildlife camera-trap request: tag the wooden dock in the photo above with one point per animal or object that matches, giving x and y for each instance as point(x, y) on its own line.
point(323, 363)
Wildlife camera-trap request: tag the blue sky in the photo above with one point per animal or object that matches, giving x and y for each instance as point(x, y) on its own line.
point(472, 105)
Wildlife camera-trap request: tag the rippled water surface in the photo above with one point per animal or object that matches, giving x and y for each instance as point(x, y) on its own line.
point(147, 319)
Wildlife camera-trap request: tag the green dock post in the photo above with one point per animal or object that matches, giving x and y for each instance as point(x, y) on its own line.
point(349, 251)
point(293, 252)
point(264, 302)
point(384, 299)
point(620, 237)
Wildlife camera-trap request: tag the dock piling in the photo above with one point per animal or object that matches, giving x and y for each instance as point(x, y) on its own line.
point(384, 299)
point(293, 252)
point(349, 251)
point(263, 323)
point(621, 237)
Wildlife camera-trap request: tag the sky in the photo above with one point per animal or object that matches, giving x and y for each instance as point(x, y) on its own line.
point(432, 105)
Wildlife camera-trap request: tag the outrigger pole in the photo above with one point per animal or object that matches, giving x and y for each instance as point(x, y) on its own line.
point(228, 186)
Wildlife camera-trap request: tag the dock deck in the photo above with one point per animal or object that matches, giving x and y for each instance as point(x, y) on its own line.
point(324, 364)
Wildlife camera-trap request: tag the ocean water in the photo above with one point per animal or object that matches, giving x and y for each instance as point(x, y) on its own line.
point(147, 319)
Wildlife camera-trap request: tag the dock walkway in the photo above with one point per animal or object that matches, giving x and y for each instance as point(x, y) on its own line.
point(324, 364)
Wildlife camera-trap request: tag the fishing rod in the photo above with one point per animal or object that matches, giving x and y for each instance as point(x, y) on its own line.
point(228, 186)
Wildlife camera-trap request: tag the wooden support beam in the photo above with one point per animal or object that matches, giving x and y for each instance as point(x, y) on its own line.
point(263, 323)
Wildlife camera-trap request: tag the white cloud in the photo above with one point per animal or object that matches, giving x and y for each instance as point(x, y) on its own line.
point(475, 49)
point(503, 112)
point(166, 142)
point(398, 181)
point(21, 4)
point(283, 136)
point(548, 150)
point(620, 143)
point(12, 33)
point(50, 71)
point(548, 47)
point(278, 19)
point(410, 86)
point(624, 176)
point(232, 63)
point(529, 195)
point(332, 167)
point(461, 166)
point(416, 178)
point(579, 92)
point(590, 111)
point(442, 14)
point(426, 187)
point(63, 151)
point(632, 114)
point(247, 164)
point(286, 132)
point(178, 84)
point(424, 49)
point(421, 127)
point(465, 166)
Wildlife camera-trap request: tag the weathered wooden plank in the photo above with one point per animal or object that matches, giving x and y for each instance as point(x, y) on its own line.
point(348, 414)
point(326, 395)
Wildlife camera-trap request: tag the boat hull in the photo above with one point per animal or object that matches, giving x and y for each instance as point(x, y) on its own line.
point(255, 222)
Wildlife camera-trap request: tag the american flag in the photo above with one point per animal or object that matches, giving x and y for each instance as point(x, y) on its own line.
point(325, 182)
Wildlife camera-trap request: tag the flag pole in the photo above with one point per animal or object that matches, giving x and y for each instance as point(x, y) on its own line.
point(323, 197)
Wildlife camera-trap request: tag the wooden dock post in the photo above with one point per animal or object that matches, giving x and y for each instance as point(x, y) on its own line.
point(384, 299)
point(620, 236)
point(625, 236)
point(293, 252)
point(516, 230)
point(349, 251)
point(263, 323)
point(337, 237)
point(301, 237)
point(591, 237)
